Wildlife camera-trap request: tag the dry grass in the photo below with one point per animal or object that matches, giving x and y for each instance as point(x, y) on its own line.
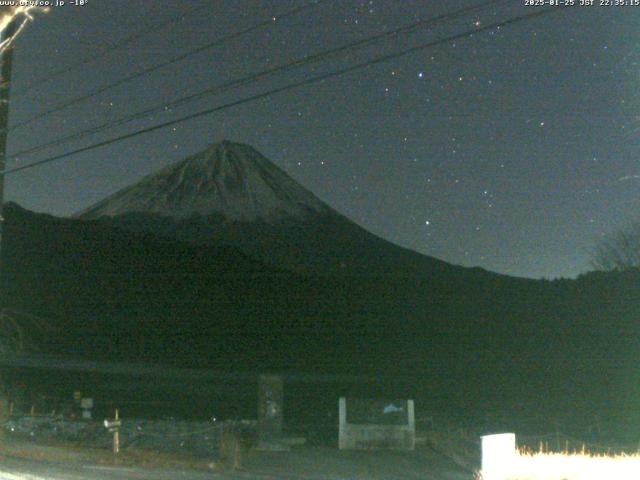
point(568, 466)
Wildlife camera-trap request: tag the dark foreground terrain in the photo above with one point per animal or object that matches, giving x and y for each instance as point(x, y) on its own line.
point(26, 461)
point(503, 353)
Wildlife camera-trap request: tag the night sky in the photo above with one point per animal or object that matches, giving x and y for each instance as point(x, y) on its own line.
point(515, 149)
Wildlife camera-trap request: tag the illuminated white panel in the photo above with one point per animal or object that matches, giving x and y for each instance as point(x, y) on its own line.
point(498, 455)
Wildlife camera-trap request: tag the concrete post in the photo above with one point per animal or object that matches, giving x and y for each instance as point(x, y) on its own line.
point(411, 421)
point(270, 416)
point(116, 435)
point(342, 417)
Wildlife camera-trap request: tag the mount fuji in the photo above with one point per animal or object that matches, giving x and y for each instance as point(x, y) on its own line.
point(223, 261)
point(231, 194)
point(228, 179)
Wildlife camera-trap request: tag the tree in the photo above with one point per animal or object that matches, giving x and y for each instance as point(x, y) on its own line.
point(619, 251)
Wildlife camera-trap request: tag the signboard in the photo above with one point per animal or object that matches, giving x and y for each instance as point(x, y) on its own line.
point(376, 424)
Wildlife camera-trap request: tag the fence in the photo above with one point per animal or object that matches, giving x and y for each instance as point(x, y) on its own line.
point(200, 439)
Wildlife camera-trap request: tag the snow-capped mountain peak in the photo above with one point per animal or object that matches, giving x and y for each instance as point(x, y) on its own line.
point(228, 179)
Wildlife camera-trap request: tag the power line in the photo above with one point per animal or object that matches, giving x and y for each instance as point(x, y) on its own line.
point(258, 76)
point(171, 61)
point(110, 48)
point(290, 86)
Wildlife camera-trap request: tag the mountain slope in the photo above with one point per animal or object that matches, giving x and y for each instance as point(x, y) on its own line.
point(230, 193)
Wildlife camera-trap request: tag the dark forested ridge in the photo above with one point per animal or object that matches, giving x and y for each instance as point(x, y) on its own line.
point(464, 339)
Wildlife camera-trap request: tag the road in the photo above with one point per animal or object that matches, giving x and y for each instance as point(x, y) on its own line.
point(20, 469)
point(310, 464)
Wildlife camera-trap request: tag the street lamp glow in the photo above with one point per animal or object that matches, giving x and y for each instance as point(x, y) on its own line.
point(7, 15)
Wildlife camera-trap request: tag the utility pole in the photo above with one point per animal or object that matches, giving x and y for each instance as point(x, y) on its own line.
point(5, 86)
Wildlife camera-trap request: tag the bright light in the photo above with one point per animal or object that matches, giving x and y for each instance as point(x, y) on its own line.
point(500, 461)
point(498, 455)
point(7, 14)
point(563, 466)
